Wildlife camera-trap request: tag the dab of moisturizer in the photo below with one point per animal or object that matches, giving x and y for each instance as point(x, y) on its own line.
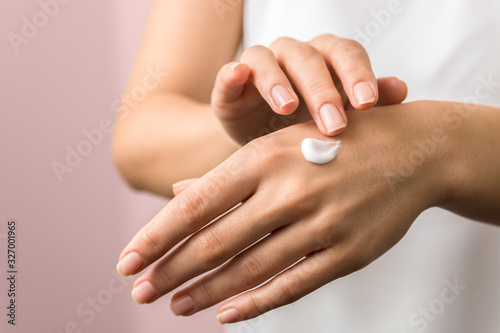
point(320, 152)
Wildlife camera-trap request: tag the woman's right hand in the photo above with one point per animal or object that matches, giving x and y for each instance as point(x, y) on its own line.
point(257, 96)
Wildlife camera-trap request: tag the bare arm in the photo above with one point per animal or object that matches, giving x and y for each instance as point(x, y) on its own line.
point(172, 133)
point(474, 131)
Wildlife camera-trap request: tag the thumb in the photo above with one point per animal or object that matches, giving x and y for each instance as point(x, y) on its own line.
point(391, 91)
point(229, 86)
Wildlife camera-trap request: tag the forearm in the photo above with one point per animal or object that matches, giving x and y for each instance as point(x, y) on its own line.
point(168, 138)
point(475, 186)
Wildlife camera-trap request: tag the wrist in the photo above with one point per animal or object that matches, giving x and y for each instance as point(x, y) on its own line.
point(434, 151)
point(473, 182)
point(449, 133)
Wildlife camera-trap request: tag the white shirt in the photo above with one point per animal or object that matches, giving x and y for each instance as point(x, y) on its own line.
point(445, 50)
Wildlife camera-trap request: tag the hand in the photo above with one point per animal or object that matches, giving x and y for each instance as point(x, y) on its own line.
point(339, 216)
point(256, 96)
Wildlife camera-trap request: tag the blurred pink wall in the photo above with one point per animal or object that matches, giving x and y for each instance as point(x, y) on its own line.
point(57, 81)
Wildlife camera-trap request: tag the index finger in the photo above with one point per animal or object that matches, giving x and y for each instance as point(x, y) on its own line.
point(350, 62)
point(209, 197)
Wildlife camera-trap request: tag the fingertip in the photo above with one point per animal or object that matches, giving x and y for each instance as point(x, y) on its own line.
point(117, 267)
point(232, 66)
point(237, 73)
point(182, 305)
point(285, 100)
point(229, 316)
point(236, 67)
point(365, 107)
point(364, 95)
point(144, 293)
point(334, 132)
point(289, 108)
point(392, 91)
point(404, 88)
point(130, 264)
point(331, 120)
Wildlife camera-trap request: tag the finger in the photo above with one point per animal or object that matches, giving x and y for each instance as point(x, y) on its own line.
point(210, 247)
point(287, 287)
point(230, 82)
point(392, 91)
point(307, 69)
point(269, 79)
point(233, 94)
point(222, 188)
point(182, 185)
point(351, 64)
point(247, 270)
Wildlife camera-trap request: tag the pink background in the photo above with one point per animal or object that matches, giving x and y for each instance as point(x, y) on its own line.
point(70, 233)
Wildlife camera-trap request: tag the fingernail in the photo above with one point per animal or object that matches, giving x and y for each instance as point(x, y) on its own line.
point(229, 316)
point(144, 293)
point(234, 66)
point(363, 93)
point(281, 96)
point(182, 183)
point(182, 305)
point(332, 118)
point(129, 264)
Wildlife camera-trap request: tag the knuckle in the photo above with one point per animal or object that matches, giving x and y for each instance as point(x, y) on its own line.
point(208, 294)
point(291, 287)
point(252, 269)
point(272, 151)
point(321, 89)
point(210, 247)
point(151, 241)
point(253, 51)
point(356, 72)
point(353, 258)
point(324, 38)
point(263, 149)
point(354, 66)
point(292, 194)
point(247, 158)
point(324, 237)
point(349, 47)
point(360, 253)
point(281, 41)
point(301, 52)
point(257, 307)
point(190, 204)
point(333, 228)
point(267, 75)
point(162, 273)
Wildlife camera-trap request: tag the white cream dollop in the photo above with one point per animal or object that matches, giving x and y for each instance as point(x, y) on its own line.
point(320, 152)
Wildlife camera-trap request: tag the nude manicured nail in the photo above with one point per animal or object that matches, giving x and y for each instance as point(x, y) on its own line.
point(363, 93)
point(229, 316)
point(332, 118)
point(281, 96)
point(182, 305)
point(144, 293)
point(234, 66)
point(183, 183)
point(129, 264)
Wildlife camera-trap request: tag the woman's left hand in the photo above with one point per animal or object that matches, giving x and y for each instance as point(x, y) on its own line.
point(337, 217)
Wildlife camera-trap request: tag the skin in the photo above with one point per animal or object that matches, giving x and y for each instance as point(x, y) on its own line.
point(146, 139)
point(357, 214)
point(243, 92)
point(183, 130)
